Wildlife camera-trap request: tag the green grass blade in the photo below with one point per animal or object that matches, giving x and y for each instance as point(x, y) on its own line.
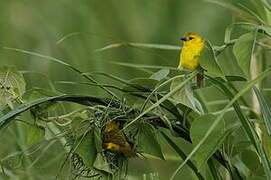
point(84, 100)
point(145, 66)
point(39, 55)
point(89, 84)
point(243, 50)
point(141, 45)
point(266, 112)
point(156, 46)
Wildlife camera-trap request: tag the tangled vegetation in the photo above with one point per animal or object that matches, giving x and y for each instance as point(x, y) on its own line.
point(230, 141)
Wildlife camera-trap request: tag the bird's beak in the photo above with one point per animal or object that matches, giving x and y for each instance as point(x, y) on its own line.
point(184, 39)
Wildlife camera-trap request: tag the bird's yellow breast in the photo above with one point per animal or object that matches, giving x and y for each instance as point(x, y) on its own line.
point(189, 57)
point(112, 147)
point(115, 141)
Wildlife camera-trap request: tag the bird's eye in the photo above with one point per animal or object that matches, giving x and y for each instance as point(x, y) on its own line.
point(190, 38)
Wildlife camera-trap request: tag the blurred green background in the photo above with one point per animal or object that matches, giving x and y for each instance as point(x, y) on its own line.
point(38, 26)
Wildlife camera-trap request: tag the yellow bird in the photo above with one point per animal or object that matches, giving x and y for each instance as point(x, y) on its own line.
point(192, 47)
point(115, 141)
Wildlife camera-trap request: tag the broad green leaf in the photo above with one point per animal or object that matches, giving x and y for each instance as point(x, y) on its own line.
point(247, 126)
point(148, 142)
point(12, 85)
point(80, 123)
point(266, 139)
point(234, 146)
point(41, 111)
point(198, 129)
point(243, 50)
point(36, 93)
point(251, 160)
point(101, 164)
point(266, 29)
point(159, 75)
point(239, 147)
point(34, 134)
point(97, 139)
point(267, 12)
point(208, 60)
point(185, 96)
point(235, 78)
point(85, 147)
point(180, 152)
point(266, 112)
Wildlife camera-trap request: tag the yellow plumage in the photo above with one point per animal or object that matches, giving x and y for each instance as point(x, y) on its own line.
point(192, 47)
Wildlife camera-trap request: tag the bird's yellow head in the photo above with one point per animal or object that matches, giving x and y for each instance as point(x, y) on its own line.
point(192, 38)
point(111, 126)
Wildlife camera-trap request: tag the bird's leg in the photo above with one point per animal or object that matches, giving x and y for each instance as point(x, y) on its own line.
point(200, 78)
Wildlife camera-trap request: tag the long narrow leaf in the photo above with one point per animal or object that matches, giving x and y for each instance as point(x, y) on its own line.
point(141, 45)
point(84, 100)
point(266, 112)
point(144, 66)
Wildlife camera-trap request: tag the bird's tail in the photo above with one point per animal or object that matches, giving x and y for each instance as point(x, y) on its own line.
point(128, 152)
